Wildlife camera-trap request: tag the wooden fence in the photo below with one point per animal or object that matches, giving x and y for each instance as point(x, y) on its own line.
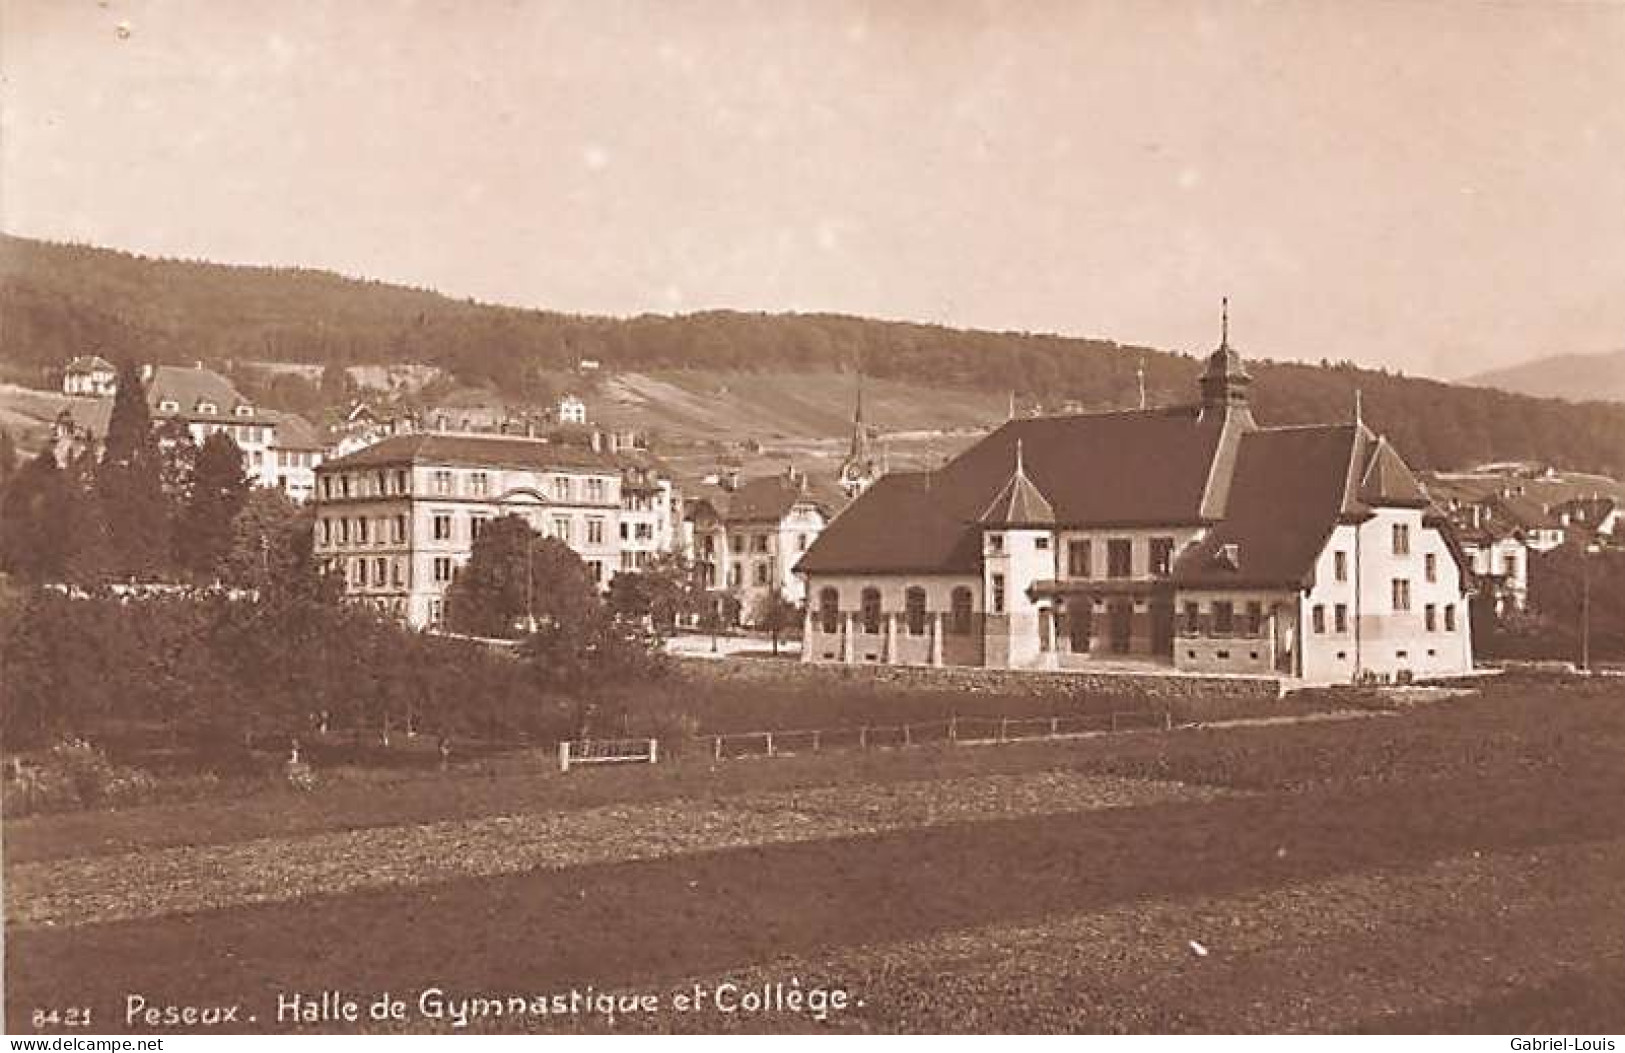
point(608, 751)
point(956, 731)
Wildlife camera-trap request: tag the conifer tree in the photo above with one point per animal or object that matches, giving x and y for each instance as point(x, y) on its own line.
point(8, 457)
point(128, 488)
point(32, 546)
point(219, 487)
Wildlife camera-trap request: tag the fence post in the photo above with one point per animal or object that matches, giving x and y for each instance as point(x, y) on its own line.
point(716, 749)
point(1054, 726)
point(564, 756)
point(953, 729)
point(907, 738)
point(769, 736)
point(1004, 728)
point(816, 735)
point(863, 737)
point(654, 751)
point(1167, 720)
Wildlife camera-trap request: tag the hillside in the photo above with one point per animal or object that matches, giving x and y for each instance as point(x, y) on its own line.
point(57, 301)
point(1577, 377)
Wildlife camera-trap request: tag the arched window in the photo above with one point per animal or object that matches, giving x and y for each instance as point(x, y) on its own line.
point(914, 610)
point(829, 610)
point(871, 610)
point(961, 603)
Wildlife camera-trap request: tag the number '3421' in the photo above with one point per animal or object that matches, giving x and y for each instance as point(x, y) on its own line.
point(73, 1016)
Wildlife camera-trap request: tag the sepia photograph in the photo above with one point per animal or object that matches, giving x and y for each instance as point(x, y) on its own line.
point(812, 517)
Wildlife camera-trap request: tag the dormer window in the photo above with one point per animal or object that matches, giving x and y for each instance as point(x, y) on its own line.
point(245, 410)
point(207, 407)
point(169, 406)
point(1228, 556)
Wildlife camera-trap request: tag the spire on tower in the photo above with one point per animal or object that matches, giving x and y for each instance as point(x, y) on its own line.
point(1139, 375)
point(1224, 322)
point(1359, 416)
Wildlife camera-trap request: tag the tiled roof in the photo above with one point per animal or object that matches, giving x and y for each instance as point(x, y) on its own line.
point(89, 364)
point(294, 432)
point(1019, 502)
point(192, 389)
point(1523, 511)
point(1143, 468)
point(766, 498)
point(474, 451)
point(1288, 492)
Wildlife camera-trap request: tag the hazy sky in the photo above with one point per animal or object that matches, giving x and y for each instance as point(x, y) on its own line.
point(1438, 187)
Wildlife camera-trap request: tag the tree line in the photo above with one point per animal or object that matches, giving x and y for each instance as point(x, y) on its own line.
point(61, 300)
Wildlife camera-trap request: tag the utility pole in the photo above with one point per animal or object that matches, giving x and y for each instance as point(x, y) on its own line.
point(1585, 608)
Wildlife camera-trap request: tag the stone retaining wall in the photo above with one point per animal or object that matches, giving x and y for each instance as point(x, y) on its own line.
point(1189, 696)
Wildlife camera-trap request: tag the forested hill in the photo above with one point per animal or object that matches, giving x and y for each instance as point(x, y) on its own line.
point(57, 301)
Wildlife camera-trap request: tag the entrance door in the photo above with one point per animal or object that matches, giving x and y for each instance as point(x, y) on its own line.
point(1162, 627)
point(1122, 625)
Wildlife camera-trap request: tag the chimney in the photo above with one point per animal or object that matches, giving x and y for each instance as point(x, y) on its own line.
point(730, 480)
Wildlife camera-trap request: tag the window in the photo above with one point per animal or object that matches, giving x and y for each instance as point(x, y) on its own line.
point(829, 610)
point(801, 542)
point(437, 611)
point(1119, 557)
point(344, 485)
point(1450, 617)
point(1402, 594)
point(327, 531)
point(1255, 618)
point(442, 482)
point(441, 526)
point(344, 531)
point(168, 406)
point(961, 611)
point(561, 488)
point(1041, 543)
point(737, 543)
point(735, 576)
point(1078, 561)
point(403, 483)
point(400, 530)
point(479, 484)
point(1340, 618)
point(360, 531)
point(1193, 618)
point(758, 543)
point(1402, 539)
point(359, 575)
point(595, 490)
point(595, 567)
point(998, 594)
point(1509, 564)
point(871, 610)
point(380, 571)
point(761, 573)
point(914, 610)
point(995, 543)
point(1080, 617)
point(626, 530)
point(1162, 556)
point(1340, 565)
point(442, 569)
point(1430, 567)
point(595, 531)
point(1430, 618)
point(476, 526)
point(1224, 618)
point(561, 528)
point(399, 576)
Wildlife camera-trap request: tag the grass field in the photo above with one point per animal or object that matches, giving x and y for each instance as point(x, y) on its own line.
point(1456, 867)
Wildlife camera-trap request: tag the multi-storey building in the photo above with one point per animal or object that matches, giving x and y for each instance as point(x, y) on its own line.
point(1187, 537)
point(89, 376)
point(651, 515)
point(747, 539)
point(398, 518)
point(297, 450)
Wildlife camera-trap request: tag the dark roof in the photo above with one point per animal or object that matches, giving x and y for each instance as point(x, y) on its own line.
point(1289, 490)
point(474, 451)
point(1386, 480)
point(1141, 468)
point(1019, 502)
point(193, 388)
point(765, 498)
point(1523, 511)
point(905, 522)
point(90, 363)
point(294, 432)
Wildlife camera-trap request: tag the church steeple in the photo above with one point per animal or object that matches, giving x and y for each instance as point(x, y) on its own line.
point(1225, 382)
point(860, 467)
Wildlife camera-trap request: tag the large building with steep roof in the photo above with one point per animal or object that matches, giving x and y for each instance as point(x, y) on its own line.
point(1188, 538)
point(748, 537)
